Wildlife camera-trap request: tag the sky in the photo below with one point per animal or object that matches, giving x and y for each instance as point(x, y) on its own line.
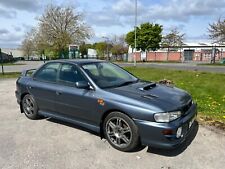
point(114, 17)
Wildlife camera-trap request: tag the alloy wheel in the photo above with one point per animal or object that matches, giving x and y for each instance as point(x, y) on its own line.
point(119, 132)
point(28, 106)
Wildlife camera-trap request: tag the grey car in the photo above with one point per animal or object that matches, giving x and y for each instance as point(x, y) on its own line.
point(106, 99)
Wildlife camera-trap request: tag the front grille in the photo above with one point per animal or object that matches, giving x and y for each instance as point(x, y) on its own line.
point(186, 107)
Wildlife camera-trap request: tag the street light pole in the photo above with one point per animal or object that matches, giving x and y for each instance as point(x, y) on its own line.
point(1, 61)
point(135, 33)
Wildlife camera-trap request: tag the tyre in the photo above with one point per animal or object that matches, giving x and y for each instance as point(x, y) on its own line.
point(121, 132)
point(30, 107)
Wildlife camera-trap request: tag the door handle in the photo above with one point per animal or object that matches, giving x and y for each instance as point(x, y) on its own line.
point(58, 93)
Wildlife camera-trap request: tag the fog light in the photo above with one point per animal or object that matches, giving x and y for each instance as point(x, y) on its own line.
point(179, 132)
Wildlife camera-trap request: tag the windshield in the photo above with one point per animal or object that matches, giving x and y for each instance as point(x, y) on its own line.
point(108, 75)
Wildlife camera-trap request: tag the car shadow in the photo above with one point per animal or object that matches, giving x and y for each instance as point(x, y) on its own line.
point(169, 153)
point(181, 148)
point(53, 120)
point(71, 125)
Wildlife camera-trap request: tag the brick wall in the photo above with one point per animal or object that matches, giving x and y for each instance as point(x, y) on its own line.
point(163, 56)
point(176, 56)
point(137, 55)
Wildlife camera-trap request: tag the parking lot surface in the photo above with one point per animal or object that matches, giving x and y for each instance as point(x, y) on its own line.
point(51, 144)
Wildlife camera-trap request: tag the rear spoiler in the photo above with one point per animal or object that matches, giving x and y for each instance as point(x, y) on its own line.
point(28, 72)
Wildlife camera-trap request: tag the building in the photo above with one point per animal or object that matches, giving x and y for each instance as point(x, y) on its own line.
point(92, 53)
point(187, 52)
point(5, 57)
point(16, 53)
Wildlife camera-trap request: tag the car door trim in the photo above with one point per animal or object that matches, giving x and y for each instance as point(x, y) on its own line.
point(70, 120)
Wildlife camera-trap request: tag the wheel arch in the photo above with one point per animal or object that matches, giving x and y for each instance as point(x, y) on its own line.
point(105, 114)
point(21, 98)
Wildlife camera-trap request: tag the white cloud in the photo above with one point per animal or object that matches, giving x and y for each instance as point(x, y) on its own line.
point(104, 18)
point(3, 31)
point(26, 5)
point(182, 10)
point(116, 16)
point(125, 7)
point(7, 13)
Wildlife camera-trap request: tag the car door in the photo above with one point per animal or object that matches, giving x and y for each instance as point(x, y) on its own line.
point(43, 87)
point(74, 102)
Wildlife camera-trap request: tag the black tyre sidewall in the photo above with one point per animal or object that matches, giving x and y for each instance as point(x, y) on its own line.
point(134, 129)
point(34, 116)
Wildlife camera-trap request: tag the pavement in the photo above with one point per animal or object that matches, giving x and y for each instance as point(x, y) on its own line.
point(51, 144)
point(24, 66)
point(192, 66)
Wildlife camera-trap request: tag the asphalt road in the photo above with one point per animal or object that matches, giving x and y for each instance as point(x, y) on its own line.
point(50, 144)
point(180, 66)
point(177, 66)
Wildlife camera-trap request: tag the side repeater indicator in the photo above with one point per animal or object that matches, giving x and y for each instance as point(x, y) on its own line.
point(101, 102)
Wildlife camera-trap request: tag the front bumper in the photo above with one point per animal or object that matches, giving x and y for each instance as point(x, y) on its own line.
point(151, 133)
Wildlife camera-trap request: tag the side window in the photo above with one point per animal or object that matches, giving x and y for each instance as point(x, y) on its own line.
point(69, 74)
point(48, 72)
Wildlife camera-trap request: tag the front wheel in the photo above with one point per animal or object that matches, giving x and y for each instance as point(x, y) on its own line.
point(30, 107)
point(121, 132)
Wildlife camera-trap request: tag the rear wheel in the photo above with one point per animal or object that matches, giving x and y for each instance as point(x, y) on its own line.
point(121, 132)
point(30, 107)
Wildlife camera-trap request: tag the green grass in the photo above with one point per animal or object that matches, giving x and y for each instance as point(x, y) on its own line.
point(9, 75)
point(207, 89)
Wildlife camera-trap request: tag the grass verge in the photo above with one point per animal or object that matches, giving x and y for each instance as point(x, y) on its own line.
point(9, 75)
point(207, 89)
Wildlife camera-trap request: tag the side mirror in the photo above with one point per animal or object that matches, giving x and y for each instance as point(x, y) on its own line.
point(82, 85)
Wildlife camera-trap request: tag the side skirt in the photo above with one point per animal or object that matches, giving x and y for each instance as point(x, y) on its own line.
point(70, 120)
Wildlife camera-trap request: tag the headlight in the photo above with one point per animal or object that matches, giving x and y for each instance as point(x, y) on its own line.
point(167, 117)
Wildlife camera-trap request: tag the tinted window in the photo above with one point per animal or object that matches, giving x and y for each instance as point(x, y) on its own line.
point(70, 74)
point(48, 72)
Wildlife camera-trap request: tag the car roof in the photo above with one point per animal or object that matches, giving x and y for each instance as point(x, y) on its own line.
point(78, 61)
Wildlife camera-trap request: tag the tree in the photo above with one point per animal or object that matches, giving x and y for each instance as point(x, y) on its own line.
point(217, 34)
point(149, 36)
point(118, 50)
point(173, 39)
point(84, 49)
point(119, 46)
point(41, 45)
point(57, 28)
point(28, 45)
point(217, 31)
point(101, 48)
